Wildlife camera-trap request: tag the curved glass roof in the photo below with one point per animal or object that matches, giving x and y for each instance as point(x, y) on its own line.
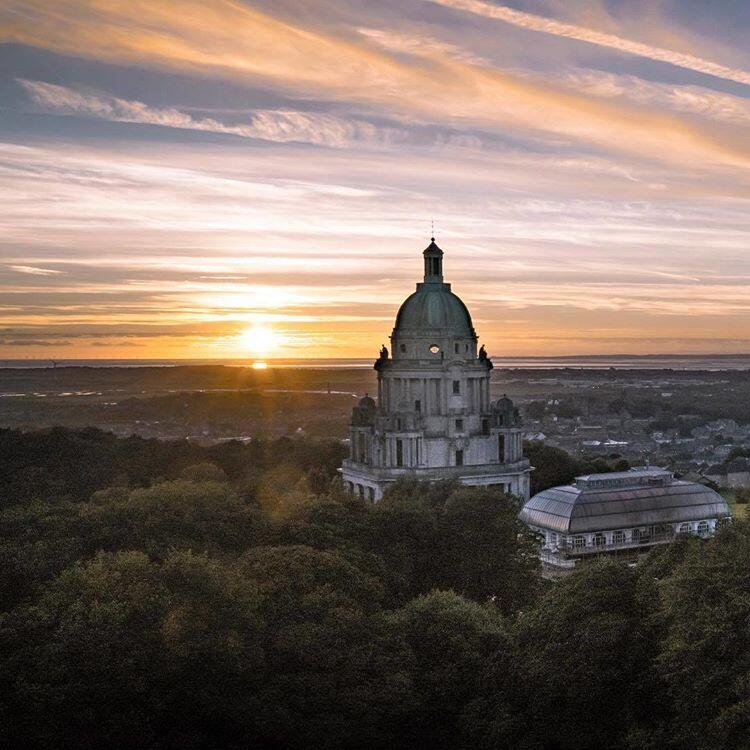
point(585, 509)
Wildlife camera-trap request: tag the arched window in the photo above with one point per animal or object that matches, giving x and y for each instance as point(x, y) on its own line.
point(685, 528)
point(618, 537)
point(599, 540)
point(579, 542)
point(704, 528)
point(641, 536)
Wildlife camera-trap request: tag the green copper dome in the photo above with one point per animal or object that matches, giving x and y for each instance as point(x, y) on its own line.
point(434, 308)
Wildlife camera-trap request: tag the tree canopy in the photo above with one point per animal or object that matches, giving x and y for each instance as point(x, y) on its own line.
point(237, 598)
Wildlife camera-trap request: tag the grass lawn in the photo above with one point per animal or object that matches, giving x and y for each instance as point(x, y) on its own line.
point(739, 510)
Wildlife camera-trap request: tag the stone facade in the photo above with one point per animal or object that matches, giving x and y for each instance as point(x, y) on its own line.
point(433, 418)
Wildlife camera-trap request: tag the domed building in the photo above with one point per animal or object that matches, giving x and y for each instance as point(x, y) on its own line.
point(621, 512)
point(433, 417)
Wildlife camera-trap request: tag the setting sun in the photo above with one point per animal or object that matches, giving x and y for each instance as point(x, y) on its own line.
point(260, 340)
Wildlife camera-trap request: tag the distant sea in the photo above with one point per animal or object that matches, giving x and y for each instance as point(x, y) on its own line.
point(599, 361)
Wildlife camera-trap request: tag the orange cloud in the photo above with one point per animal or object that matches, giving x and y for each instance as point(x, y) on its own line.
point(229, 39)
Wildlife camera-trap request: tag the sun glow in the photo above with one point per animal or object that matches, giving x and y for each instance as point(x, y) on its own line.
point(260, 340)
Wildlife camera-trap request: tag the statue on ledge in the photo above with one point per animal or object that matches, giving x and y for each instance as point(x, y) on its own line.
point(382, 358)
point(484, 358)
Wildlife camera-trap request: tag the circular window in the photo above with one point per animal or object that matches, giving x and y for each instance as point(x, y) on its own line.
point(434, 348)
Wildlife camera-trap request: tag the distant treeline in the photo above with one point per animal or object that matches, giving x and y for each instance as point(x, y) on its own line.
point(178, 378)
point(165, 595)
point(194, 413)
point(68, 464)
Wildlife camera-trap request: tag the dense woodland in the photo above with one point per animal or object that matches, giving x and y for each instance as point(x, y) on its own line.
point(166, 595)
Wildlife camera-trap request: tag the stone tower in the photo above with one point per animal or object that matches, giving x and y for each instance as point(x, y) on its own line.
point(433, 418)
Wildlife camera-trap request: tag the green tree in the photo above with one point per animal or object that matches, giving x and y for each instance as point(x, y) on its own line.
point(37, 541)
point(585, 653)
point(338, 674)
point(535, 409)
point(451, 639)
point(737, 452)
point(205, 471)
point(446, 536)
point(552, 466)
point(403, 533)
point(705, 658)
point(483, 551)
point(201, 516)
point(121, 652)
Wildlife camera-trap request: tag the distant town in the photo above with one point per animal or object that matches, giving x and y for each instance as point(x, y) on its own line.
point(698, 424)
point(695, 422)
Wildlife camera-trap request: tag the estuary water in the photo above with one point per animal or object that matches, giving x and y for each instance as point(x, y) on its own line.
point(603, 361)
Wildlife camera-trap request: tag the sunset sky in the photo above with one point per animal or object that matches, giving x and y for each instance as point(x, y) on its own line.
point(229, 179)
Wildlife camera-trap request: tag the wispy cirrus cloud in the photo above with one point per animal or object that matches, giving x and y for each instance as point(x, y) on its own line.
point(271, 125)
point(245, 44)
point(693, 100)
point(421, 46)
point(35, 270)
point(534, 22)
